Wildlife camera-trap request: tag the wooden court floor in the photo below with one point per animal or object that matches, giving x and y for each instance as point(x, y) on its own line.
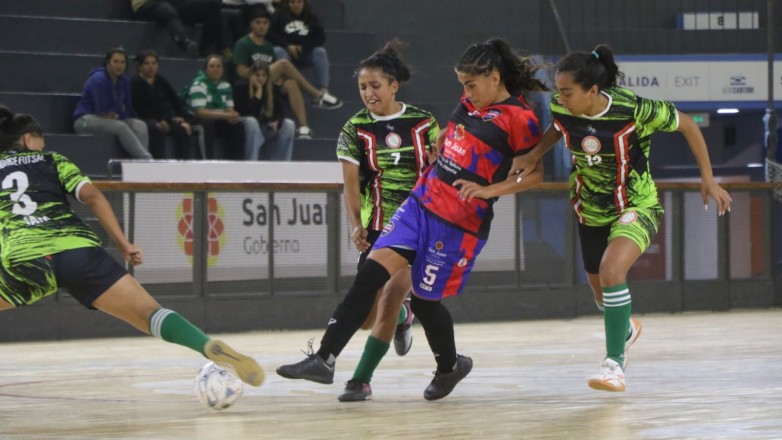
point(691, 376)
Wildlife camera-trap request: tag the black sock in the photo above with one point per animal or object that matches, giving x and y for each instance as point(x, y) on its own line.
point(353, 309)
point(438, 327)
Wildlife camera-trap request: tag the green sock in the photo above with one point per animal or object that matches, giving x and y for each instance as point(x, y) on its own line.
point(616, 300)
point(402, 315)
point(374, 350)
point(170, 326)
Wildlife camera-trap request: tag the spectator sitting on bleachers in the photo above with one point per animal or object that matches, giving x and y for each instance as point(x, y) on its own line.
point(210, 98)
point(171, 14)
point(105, 106)
point(254, 47)
point(298, 37)
point(261, 100)
point(235, 15)
point(158, 105)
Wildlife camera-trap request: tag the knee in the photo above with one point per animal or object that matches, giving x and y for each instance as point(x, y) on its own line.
point(611, 274)
point(320, 53)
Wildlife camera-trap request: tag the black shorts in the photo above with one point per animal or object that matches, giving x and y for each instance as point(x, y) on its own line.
point(86, 273)
point(594, 241)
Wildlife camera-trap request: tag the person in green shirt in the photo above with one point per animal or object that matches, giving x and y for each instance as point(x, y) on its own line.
point(46, 246)
point(607, 130)
point(254, 46)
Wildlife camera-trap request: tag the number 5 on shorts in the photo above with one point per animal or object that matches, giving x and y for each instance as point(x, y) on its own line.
point(431, 274)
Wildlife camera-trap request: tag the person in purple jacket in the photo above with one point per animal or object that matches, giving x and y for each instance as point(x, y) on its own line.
point(105, 106)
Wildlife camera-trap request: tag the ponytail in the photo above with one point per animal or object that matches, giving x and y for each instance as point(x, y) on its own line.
point(516, 72)
point(14, 126)
point(389, 60)
point(592, 68)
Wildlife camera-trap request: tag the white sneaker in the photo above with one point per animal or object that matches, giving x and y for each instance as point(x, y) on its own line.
point(610, 378)
point(327, 101)
point(303, 133)
point(635, 332)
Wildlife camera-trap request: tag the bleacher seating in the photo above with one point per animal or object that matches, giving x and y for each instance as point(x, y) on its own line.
point(49, 47)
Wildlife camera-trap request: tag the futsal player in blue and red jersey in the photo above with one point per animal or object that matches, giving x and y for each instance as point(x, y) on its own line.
point(441, 228)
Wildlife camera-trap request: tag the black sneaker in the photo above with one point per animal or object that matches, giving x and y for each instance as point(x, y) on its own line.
point(403, 337)
point(312, 368)
point(356, 391)
point(444, 383)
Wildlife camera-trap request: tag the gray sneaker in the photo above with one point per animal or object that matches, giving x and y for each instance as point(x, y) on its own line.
point(403, 337)
point(444, 383)
point(356, 391)
point(327, 101)
point(312, 368)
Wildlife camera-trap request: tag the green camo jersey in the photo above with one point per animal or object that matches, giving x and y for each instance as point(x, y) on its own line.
point(35, 217)
point(391, 154)
point(611, 154)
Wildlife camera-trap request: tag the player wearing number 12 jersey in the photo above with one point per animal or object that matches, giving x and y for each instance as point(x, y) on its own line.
point(607, 129)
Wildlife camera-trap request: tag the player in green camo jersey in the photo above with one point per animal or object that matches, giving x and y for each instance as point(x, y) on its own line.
point(45, 246)
point(608, 129)
point(383, 148)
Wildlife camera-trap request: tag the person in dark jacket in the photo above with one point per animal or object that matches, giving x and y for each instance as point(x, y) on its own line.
point(105, 106)
point(158, 105)
point(298, 36)
point(262, 99)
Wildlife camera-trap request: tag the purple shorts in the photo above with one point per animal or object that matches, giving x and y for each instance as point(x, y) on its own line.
point(444, 254)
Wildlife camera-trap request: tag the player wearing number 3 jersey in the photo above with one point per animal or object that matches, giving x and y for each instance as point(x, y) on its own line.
point(45, 246)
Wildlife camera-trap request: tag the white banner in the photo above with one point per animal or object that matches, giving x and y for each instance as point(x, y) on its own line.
point(701, 81)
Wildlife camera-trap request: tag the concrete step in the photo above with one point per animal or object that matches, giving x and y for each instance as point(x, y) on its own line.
point(54, 111)
point(115, 9)
point(91, 153)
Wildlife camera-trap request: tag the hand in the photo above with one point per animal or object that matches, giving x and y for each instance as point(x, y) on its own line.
point(273, 126)
point(294, 50)
point(469, 190)
point(133, 254)
point(710, 188)
point(233, 116)
point(359, 238)
point(435, 149)
point(163, 126)
point(110, 115)
point(185, 126)
point(521, 167)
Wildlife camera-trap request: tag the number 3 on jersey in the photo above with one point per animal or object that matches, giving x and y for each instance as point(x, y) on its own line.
point(24, 204)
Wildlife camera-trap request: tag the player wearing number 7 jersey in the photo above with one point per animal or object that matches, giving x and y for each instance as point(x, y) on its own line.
point(45, 246)
point(441, 228)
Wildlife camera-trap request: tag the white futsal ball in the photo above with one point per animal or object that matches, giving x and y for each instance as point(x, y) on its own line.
point(217, 387)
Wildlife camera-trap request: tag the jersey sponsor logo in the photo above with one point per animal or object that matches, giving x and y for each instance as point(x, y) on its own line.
point(393, 140)
point(439, 245)
point(462, 262)
point(591, 129)
point(590, 145)
point(491, 114)
point(458, 132)
point(387, 228)
point(628, 217)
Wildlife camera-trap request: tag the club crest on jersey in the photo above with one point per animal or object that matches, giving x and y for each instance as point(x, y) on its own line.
point(628, 217)
point(590, 145)
point(458, 132)
point(462, 262)
point(491, 114)
point(393, 140)
point(388, 228)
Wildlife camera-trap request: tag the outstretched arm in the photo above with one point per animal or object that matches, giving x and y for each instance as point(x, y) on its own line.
point(102, 210)
point(468, 189)
point(709, 186)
